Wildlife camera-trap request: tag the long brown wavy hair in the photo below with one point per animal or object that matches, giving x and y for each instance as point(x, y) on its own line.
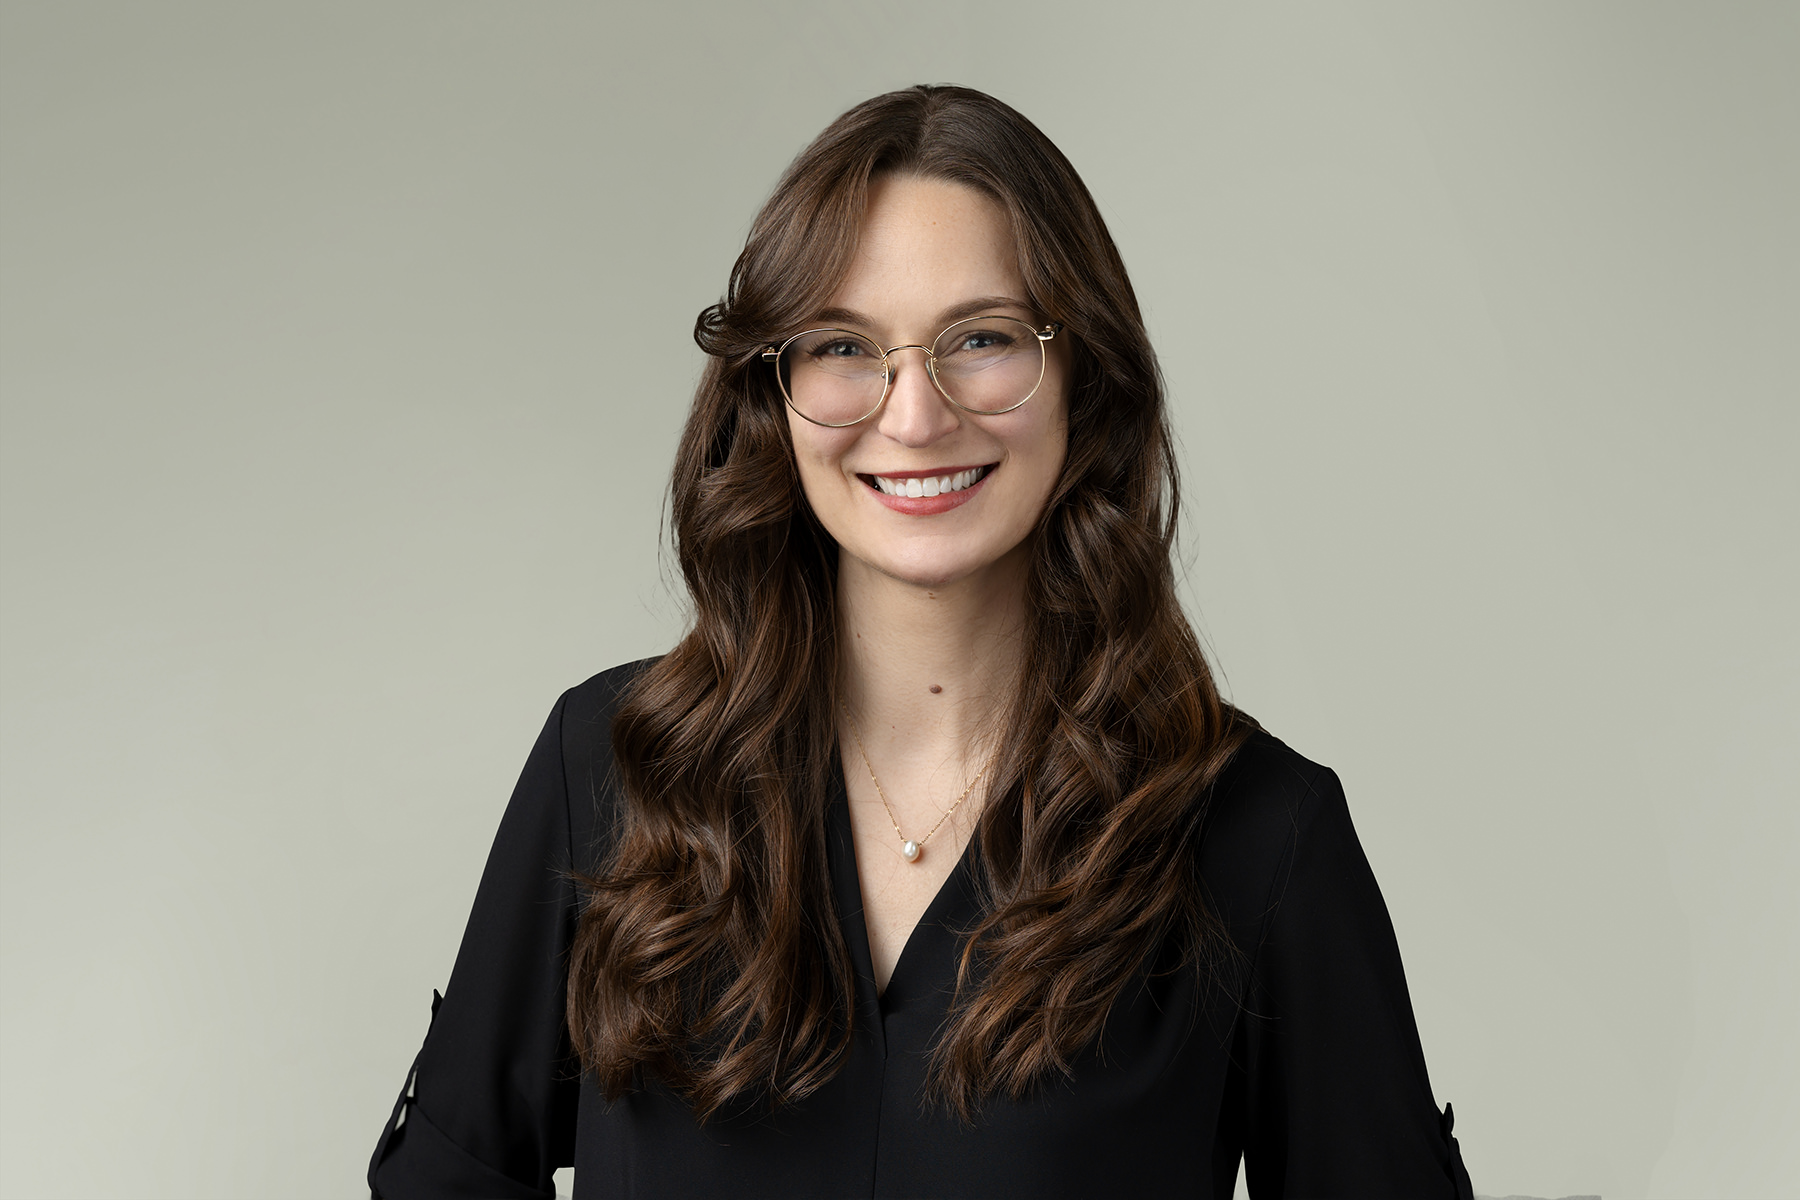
point(708, 953)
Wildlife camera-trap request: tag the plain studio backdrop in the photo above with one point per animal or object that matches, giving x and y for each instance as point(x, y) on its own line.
point(345, 350)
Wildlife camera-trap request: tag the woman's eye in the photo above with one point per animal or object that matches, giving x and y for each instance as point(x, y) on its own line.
point(984, 340)
point(838, 350)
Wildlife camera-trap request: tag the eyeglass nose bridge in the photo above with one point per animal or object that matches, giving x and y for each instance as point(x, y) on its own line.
point(897, 349)
point(887, 373)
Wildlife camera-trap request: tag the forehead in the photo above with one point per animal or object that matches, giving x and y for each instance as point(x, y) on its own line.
point(926, 245)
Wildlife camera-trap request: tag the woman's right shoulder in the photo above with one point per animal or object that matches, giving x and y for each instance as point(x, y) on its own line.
point(590, 774)
point(588, 707)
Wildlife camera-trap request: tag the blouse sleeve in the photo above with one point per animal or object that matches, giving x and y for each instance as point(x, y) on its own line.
point(1338, 1101)
point(489, 1107)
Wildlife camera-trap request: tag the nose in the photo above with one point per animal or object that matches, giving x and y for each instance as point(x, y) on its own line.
point(915, 413)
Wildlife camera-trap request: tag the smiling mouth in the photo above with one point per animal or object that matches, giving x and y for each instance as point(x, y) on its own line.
point(915, 486)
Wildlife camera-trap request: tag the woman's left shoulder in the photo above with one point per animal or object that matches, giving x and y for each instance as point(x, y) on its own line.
point(1270, 791)
point(1267, 802)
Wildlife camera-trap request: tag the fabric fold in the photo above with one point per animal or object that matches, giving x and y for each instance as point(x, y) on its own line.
point(406, 1089)
point(1453, 1166)
point(452, 1171)
point(445, 1171)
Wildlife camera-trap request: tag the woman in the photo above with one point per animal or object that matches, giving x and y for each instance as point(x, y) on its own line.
point(930, 862)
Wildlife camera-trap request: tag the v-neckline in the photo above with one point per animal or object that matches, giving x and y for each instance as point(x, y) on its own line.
point(925, 963)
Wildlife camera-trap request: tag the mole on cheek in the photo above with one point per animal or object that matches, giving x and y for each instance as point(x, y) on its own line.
point(935, 689)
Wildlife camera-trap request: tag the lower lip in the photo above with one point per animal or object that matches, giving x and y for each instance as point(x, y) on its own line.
point(930, 506)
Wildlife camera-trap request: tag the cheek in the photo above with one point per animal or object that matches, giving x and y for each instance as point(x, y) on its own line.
point(817, 455)
point(1047, 456)
point(1052, 442)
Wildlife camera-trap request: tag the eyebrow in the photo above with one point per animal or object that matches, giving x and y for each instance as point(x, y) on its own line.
point(950, 316)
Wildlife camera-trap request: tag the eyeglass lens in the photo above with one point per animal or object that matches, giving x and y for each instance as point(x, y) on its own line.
point(985, 364)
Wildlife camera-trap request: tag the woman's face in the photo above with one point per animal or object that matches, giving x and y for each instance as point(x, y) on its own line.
point(930, 250)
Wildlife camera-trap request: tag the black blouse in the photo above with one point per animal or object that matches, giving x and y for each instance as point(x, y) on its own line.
point(1308, 1066)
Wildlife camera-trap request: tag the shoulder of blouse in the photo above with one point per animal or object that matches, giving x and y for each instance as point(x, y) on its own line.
point(589, 771)
point(1267, 802)
point(1269, 812)
point(1335, 1082)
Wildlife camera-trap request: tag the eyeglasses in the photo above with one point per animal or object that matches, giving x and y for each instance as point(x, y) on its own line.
point(983, 365)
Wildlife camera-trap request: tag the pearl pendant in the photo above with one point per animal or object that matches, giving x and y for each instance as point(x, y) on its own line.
point(910, 851)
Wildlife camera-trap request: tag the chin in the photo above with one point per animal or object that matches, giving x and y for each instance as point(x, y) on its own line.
point(943, 570)
point(923, 578)
point(916, 572)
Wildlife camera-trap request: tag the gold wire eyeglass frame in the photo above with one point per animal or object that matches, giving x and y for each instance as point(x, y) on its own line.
point(772, 355)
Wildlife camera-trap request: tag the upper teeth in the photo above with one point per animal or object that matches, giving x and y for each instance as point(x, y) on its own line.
point(935, 485)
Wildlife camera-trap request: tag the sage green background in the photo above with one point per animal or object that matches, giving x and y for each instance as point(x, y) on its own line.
point(345, 349)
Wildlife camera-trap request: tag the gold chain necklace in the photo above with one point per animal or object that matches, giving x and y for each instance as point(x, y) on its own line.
point(909, 849)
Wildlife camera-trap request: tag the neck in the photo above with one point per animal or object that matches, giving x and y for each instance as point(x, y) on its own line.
point(930, 667)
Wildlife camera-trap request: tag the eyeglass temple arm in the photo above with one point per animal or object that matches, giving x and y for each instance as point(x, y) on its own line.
point(771, 353)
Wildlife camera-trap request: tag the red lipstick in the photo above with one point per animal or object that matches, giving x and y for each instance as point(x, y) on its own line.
point(929, 506)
